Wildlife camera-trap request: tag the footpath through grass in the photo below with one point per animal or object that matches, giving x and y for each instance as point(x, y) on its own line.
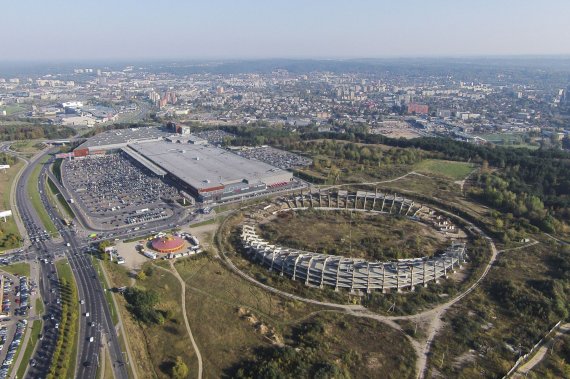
point(34, 338)
point(451, 169)
point(10, 237)
point(65, 354)
point(34, 194)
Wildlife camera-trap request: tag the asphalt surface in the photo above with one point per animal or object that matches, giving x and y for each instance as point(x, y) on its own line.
point(90, 289)
point(95, 318)
point(48, 283)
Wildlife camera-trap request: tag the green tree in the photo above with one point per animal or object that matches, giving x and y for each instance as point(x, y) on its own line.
point(179, 370)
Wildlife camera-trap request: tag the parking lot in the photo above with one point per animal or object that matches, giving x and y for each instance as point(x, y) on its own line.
point(275, 157)
point(114, 191)
point(215, 137)
point(15, 297)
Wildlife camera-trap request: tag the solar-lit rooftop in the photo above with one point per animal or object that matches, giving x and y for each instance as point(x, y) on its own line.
point(204, 166)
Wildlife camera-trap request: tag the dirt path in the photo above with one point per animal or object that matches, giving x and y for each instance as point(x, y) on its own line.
point(194, 345)
point(327, 186)
point(526, 367)
point(432, 316)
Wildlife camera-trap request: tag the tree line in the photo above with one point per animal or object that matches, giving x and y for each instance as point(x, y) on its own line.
point(528, 175)
point(25, 132)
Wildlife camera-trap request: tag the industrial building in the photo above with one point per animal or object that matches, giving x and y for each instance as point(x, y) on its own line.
point(211, 173)
point(208, 173)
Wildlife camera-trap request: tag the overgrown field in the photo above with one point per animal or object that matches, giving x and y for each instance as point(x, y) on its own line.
point(524, 295)
point(155, 345)
point(9, 234)
point(353, 234)
point(244, 331)
point(450, 169)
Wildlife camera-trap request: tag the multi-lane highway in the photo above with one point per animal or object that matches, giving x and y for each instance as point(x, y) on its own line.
point(90, 290)
point(48, 283)
point(95, 316)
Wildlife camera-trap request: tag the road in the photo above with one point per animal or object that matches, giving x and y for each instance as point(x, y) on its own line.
point(95, 318)
point(89, 287)
point(48, 282)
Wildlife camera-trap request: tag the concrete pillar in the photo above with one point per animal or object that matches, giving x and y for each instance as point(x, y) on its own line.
point(323, 272)
point(383, 202)
point(295, 266)
point(393, 201)
point(368, 290)
point(353, 275)
point(272, 262)
point(409, 208)
point(435, 278)
point(398, 278)
point(424, 274)
point(383, 278)
point(337, 274)
point(375, 196)
point(308, 270)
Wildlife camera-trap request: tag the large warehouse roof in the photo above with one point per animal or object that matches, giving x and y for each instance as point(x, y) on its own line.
point(122, 136)
point(205, 167)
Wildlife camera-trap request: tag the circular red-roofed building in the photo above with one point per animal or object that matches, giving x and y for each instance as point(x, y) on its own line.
point(167, 244)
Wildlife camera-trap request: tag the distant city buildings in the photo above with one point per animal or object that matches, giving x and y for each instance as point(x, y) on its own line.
point(418, 108)
point(382, 102)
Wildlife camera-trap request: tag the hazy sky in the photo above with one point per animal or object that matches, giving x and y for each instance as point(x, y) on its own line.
point(171, 29)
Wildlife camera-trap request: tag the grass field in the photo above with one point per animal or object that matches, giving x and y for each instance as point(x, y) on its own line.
point(514, 307)
point(28, 148)
point(358, 235)
point(231, 319)
point(18, 269)
point(13, 108)
point(39, 307)
point(451, 169)
point(64, 205)
point(9, 227)
point(34, 338)
point(154, 347)
point(515, 140)
point(69, 327)
point(37, 202)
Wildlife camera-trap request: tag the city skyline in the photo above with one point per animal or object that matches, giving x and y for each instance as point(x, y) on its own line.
point(64, 31)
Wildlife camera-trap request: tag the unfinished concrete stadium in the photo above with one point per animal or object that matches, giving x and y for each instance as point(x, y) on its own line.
point(357, 275)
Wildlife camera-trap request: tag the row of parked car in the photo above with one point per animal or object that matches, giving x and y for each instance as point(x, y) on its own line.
point(6, 303)
point(23, 291)
point(20, 327)
point(3, 332)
